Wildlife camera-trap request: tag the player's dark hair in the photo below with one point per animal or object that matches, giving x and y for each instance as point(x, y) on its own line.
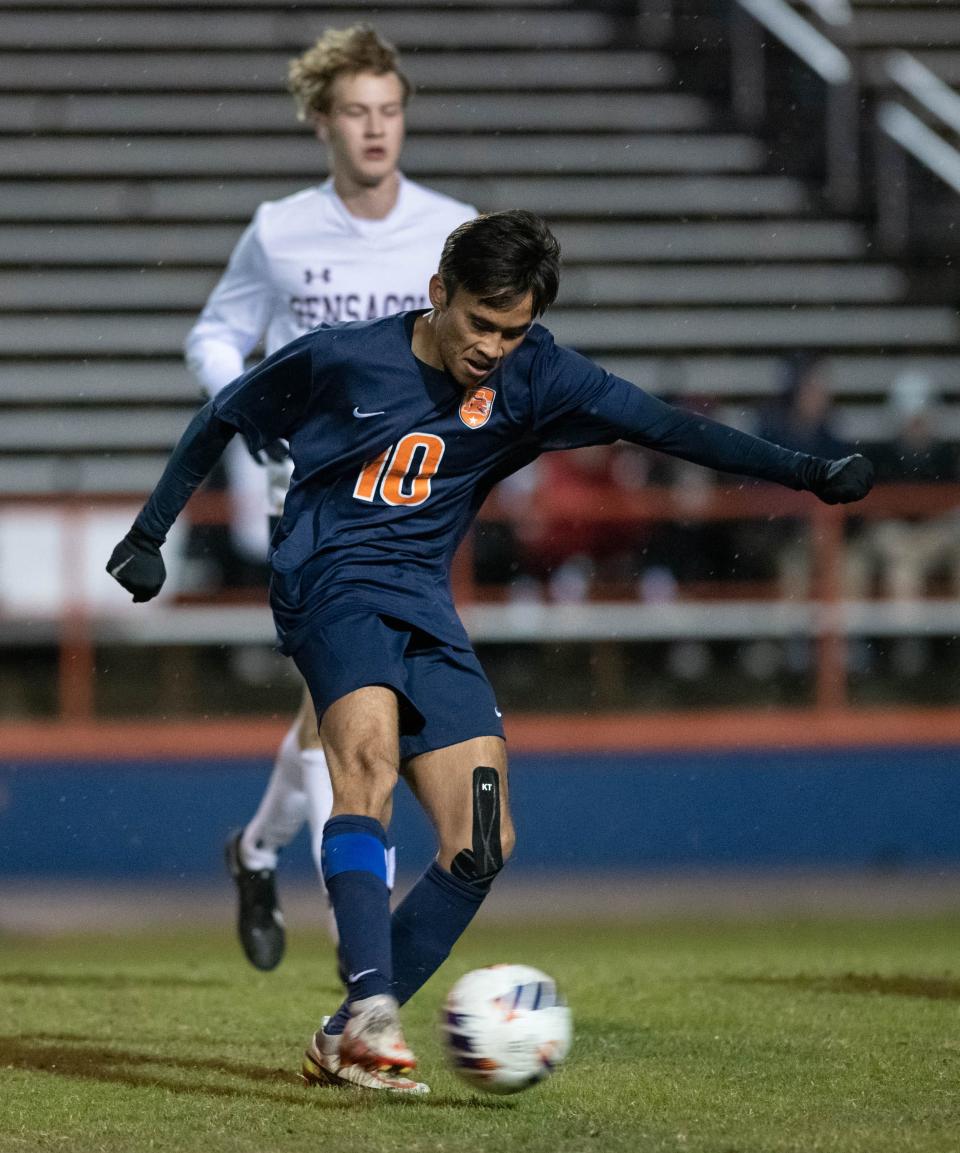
point(500, 258)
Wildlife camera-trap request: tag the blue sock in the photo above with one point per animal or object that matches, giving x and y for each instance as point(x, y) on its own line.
point(355, 873)
point(427, 924)
point(424, 928)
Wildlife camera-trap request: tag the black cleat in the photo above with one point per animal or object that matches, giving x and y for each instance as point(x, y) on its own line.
point(259, 919)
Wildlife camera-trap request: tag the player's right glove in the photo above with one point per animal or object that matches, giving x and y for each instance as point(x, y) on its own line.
point(276, 451)
point(845, 480)
point(136, 564)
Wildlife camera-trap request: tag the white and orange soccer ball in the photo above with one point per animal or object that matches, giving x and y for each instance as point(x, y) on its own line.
point(505, 1027)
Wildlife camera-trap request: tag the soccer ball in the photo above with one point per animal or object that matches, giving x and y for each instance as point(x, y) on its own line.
point(505, 1027)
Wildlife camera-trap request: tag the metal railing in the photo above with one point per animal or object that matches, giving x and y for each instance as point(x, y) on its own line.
point(826, 618)
point(749, 20)
point(902, 134)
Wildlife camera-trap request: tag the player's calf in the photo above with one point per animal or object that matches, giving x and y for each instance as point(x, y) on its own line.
point(354, 860)
point(491, 845)
point(440, 906)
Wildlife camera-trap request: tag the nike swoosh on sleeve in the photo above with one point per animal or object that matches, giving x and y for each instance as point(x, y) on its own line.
point(363, 415)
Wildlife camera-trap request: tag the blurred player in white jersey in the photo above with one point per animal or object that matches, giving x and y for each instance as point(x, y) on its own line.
point(363, 244)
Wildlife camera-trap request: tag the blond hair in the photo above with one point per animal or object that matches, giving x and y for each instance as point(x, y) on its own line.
point(338, 52)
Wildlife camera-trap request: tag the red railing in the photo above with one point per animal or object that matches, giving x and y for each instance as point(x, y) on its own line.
point(75, 627)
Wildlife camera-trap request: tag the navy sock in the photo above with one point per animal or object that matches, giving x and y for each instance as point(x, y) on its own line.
point(427, 924)
point(424, 928)
point(355, 873)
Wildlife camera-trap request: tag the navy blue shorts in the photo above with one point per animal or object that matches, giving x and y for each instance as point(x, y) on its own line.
point(444, 694)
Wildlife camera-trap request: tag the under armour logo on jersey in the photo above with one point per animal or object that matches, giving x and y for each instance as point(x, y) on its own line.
point(309, 276)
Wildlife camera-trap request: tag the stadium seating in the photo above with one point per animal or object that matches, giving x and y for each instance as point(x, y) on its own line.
point(928, 30)
point(138, 139)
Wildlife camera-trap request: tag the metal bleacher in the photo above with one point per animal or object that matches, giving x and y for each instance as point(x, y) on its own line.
point(929, 29)
point(136, 141)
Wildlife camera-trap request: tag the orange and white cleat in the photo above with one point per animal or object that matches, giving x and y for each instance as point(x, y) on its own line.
point(373, 1038)
point(322, 1066)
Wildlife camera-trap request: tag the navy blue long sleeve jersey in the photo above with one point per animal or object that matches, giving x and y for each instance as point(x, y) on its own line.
point(393, 459)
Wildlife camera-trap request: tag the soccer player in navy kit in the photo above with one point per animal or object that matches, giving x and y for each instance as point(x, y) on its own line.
point(398, 429)
point(361, 245)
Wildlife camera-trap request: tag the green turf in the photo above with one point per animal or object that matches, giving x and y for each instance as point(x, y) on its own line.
point(723, 1039)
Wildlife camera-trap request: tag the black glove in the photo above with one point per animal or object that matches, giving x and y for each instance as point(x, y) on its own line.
point(276, 451)
point(136, 564)
point(845, 480)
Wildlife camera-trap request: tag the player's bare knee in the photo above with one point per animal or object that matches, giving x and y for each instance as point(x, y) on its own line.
point(492, 835)
point(364, 782)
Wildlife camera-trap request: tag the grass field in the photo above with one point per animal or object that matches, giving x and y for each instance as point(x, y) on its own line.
point(722, 1039)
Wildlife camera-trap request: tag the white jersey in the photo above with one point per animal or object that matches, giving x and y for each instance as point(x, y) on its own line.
point(303, 261)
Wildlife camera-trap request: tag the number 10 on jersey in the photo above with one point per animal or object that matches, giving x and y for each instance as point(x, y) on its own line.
point(401, 474)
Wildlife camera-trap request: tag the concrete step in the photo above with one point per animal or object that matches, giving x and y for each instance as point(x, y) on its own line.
point(735, 376)
point(584, 196)
point(595, 330)
point(132, 430)
point(46, 473)
point(179, 289)
point(251, 69)
point(745, 375)
point(759, 284)
point(269, 112)
point(68, 430)
point(46, 27)
point(903, 5)
point(741, 375)
point(425, 157)
point(336, 10)
point(927, 27)
point(152, 381)
point(724, 240)
point(787, 328)
point(210, 245)
point(238, 156)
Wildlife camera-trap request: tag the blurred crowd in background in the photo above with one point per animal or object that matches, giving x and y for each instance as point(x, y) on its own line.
point(730, 197)
point(586, 556)
point(580, 555)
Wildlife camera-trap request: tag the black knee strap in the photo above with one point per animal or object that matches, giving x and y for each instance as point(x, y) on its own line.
point(479, 865)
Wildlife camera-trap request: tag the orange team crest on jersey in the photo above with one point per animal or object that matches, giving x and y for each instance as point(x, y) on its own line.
point(476, 406)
